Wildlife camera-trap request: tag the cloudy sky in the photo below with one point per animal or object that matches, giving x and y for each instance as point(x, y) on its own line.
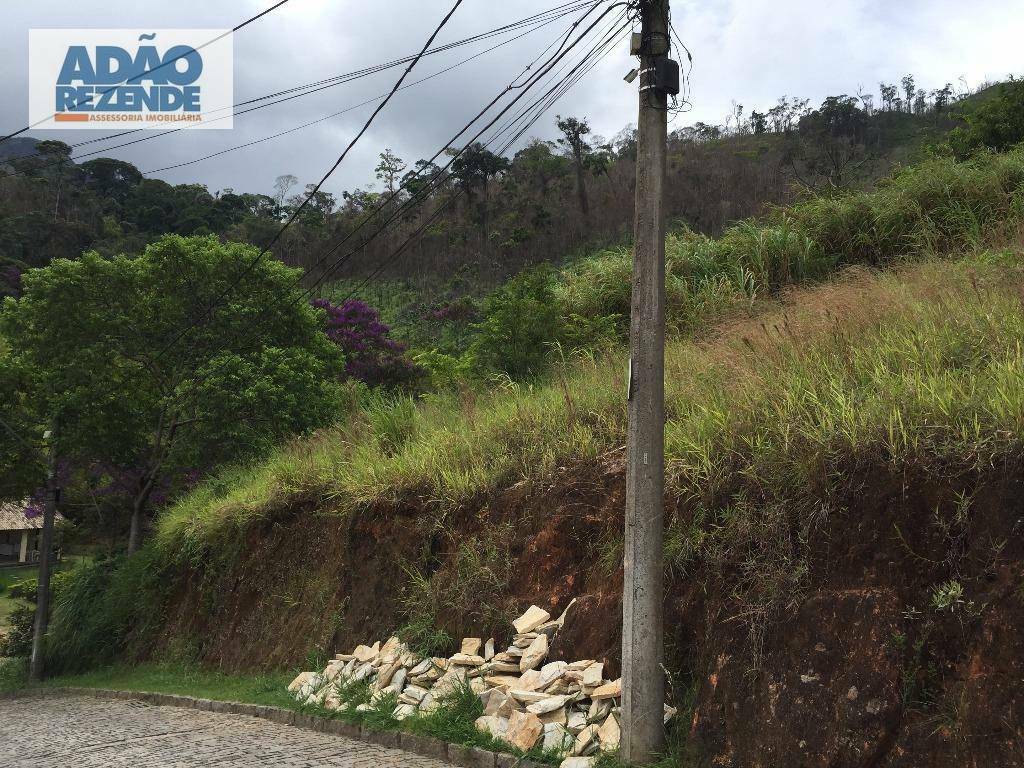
point(749, 51)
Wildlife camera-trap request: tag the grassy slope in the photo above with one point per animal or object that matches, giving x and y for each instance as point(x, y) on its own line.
point(925, 378)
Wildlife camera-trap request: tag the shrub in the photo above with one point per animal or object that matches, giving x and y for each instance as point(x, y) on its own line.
point(24, 590)
point(17, 642)
point(98, 606)
point(521, 322)
point(995, 123)
point(371, 355)
point(13, 674)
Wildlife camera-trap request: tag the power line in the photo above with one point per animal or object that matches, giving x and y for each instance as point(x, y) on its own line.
point(547, 101)
point(163, 64)
point(317, 186)
point(536, 22)
point(525, 87)
point(355, 106)
point(563, 50)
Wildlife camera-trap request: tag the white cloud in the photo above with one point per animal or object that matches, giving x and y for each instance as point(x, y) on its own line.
point(752, 51)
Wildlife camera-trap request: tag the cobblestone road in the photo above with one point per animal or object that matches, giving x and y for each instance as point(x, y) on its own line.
point(52, 732)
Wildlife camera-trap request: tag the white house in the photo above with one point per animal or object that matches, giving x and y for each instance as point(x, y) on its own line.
point(19, 534)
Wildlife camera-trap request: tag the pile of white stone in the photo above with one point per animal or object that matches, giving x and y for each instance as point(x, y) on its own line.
point(568, 707)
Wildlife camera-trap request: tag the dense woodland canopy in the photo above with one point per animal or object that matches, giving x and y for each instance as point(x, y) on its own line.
point(549, 200)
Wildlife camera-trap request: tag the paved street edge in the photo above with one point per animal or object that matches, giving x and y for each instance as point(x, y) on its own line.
point(428, 746)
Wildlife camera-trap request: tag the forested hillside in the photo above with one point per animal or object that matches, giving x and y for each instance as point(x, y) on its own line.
point(497, 214)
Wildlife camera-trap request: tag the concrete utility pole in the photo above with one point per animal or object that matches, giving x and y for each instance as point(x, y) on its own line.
point(42, 619)
point(643, 681)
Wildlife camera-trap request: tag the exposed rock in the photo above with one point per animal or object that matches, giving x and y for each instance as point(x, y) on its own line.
point(403, 711)
point(301, 680)
point(398, 680)
point(429, 704)
point(580, 665)
point(496, 702)
point(363, 672)
point(608, 734)
point(535, 654)
point(548, 704)
point(557, 738)
point(524, 729)
point(387, 672)
point(449, 681)
point(334, 671)
point(670, 712)
point(560, 686)
point(471, 646)
point(578, 762)
point(528, 696)
point(612, 690)
point(467, 660)
point(559, 716)
point(551, 672)
point(599, 710)
point(392, 646)
point(489, 649)
point(576, 721)
point(412, 694)
point(530, 620)
point(365, 653)
point(586, 740)
point(421, 668)
point(504, 682)
point(504, 666)
point(496, 726)
point(530, 680)
point(565, 614)
point(593, 675)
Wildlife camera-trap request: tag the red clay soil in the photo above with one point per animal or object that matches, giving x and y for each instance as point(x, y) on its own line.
point(857, 667)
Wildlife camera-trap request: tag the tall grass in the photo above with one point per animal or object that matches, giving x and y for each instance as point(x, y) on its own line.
point(935, 207)
point(914, 366)
point(921, 367)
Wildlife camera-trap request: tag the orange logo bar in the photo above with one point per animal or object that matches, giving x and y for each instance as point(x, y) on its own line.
point(70, 117)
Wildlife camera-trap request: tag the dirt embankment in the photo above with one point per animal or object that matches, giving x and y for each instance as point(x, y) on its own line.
point(885, 627)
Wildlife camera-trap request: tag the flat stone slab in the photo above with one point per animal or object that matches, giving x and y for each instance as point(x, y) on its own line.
point(88, 732)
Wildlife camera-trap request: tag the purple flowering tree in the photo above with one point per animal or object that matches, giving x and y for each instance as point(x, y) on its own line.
point(371, 355)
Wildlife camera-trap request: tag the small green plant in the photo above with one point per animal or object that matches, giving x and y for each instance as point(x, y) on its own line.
point(948, 596)
point(920, 682)
point(381, 716)
point(24, 590)
point(17, 641)
point(13, 673)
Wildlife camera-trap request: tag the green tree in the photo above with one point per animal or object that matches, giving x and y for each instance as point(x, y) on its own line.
point(521, 321)
point(389, 170)
point(996, 123)
point(95, 339)
point(474, 169)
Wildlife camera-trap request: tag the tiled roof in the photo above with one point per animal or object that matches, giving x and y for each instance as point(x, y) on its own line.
point(12, 517)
